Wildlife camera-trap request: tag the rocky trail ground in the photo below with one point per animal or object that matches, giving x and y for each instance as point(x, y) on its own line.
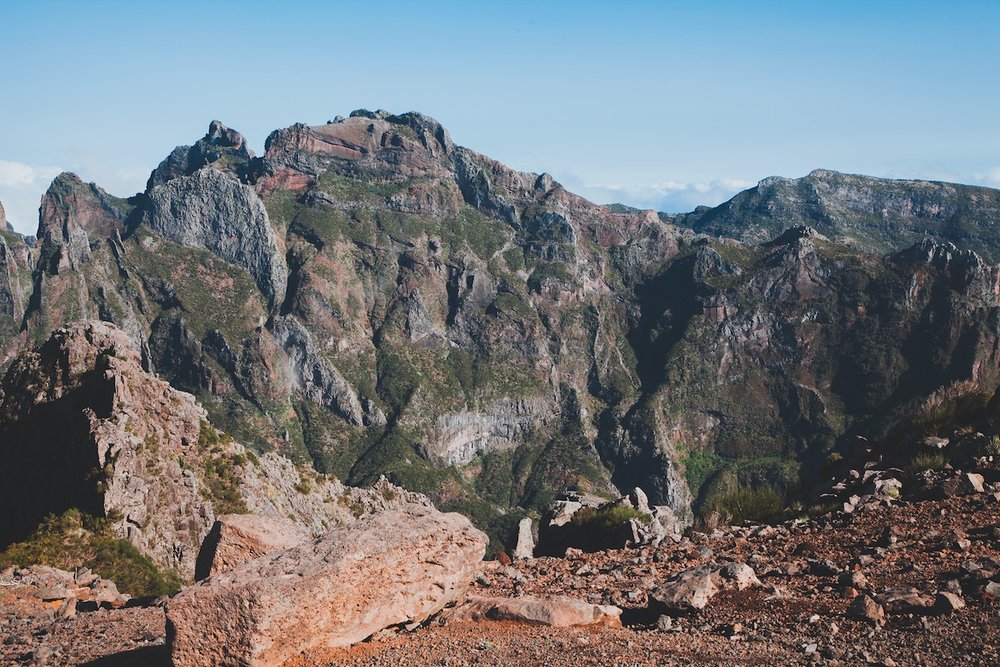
point(926, 565)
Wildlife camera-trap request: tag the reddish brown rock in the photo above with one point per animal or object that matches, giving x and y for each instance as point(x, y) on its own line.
point(398, 567)
point(864, 608)
point(240, 538)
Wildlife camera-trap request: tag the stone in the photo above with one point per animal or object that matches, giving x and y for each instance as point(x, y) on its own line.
point(904, 600)
point(557, 611)
point(933, 442)
point(238, 538)
point(400, 566)
point(68, 609)
point(639, 501)
point(525, 547)
point(991, 591)
point(864, 608)
point(962, 484)
point(854, 578)
point(691, 590)
point(946, 603)
point(975, 482)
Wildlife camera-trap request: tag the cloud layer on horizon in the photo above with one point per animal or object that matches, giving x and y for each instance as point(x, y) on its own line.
point(670, 197)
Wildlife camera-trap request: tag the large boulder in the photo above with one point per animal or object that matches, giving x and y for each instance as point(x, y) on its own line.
point(240, 538)
point(399, 566)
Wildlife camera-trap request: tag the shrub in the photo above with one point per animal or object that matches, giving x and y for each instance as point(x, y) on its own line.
point(922, 462)
point(220, 484)
point(948, 404)
point(755, 504)
point(993, 446)
point(75, 539)
point(607, 517)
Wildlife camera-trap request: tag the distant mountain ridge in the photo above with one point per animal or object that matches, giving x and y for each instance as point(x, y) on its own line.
point(370, 298)
point(876, 214)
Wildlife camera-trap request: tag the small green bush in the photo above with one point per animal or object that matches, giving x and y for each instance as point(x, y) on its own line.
point(607, 517)
point(922, 462)
point(993, 446)
point(755, 504)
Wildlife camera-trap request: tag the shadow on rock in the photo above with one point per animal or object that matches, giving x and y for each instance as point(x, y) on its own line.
point(149, 656)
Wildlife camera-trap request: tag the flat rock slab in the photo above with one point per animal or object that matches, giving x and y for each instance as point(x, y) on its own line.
point(240, 538)
point(399, 566)
point(557, 611)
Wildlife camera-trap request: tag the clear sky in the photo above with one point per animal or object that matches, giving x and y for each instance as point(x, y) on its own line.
point(658, 104)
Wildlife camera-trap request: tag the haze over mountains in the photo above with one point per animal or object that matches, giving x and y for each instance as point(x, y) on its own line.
point(369, 298)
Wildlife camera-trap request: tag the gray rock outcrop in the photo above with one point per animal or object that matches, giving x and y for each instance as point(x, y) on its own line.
point(83, 425)
point(691, 590)
point(212, 210)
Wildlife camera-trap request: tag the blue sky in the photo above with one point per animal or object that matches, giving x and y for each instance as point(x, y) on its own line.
point(658, 104)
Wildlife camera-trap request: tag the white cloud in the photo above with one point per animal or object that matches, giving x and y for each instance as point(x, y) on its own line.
point(670, 196)
point(21, 189)
point(990, 177)
point(21, 175)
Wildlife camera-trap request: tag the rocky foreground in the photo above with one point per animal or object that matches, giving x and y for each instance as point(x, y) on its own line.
point(891, 581)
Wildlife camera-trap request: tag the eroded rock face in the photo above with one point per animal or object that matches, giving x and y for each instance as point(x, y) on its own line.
point(16, 263)
point(239, 538)
point(80, 421)
point(84, 426)
point(396, 567)
point(210, 209)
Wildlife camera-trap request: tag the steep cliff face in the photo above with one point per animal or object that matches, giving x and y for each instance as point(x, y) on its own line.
point(211, 209)
point(371, 298)
point(78, 227)
point(16, 261)
point(874, 213)
point(84, 426)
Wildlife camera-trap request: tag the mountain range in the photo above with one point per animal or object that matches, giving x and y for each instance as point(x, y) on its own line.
point(368, 298)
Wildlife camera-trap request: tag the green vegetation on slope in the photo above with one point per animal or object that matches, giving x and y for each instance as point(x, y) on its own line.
point(74, 540)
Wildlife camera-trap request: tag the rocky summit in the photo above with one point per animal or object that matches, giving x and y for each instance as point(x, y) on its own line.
point(275, 381)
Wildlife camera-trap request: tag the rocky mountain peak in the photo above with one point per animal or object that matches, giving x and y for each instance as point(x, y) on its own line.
point(794, 234)
point(72, 213)
point(221, 136)
point(222, 148)
point(375, 144)
point(428, 129)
